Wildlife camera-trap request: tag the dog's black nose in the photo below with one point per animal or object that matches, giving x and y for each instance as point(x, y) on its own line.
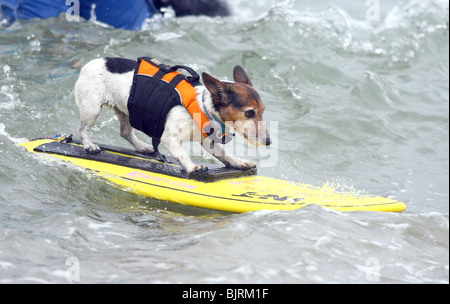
point(268, 141)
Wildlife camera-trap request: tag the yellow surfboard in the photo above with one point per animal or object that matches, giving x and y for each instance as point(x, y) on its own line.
point(219, 188)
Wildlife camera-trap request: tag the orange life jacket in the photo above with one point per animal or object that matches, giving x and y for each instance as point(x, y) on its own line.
point(156, 89)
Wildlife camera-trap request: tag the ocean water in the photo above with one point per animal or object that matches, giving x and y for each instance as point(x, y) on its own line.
point(361, 100)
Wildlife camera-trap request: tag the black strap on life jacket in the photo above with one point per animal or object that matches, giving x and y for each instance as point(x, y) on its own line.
point(151, 98)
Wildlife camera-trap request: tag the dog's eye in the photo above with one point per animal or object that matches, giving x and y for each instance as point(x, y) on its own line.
point(250, 114)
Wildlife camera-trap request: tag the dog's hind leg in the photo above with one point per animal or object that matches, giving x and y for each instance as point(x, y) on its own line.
point(127, 132)
point(88, 118)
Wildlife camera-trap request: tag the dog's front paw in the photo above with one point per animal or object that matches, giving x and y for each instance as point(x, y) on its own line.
point(199, 168)
point(145, 149)
point(250, 164)
point(241, 164)
point(247, 165)
point(196, 169)
point(92, 148)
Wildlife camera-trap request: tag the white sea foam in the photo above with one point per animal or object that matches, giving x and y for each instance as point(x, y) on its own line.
point(15, 140)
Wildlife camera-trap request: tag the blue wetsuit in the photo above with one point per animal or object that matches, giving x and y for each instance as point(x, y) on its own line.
point(118, 13)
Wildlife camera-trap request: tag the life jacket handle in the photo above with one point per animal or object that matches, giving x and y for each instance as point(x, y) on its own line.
point(194, 79)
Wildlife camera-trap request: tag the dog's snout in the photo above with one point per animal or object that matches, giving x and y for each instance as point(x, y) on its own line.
point(268, 140)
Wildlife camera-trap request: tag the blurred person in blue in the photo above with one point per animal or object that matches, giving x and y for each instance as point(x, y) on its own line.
point(129, 15)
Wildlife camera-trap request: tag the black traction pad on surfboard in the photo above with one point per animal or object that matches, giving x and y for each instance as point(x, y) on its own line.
point(133, 159)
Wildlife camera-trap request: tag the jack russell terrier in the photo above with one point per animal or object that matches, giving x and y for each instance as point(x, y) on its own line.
point(170, 107)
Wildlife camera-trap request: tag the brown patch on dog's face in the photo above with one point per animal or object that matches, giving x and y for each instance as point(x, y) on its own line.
point(244, 113)
point(240, 106)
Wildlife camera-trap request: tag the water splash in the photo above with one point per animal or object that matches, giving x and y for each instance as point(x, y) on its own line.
point(13, 139)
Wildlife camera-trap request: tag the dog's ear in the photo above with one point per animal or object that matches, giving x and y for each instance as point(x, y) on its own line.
point(216, 87)
point(240, 75)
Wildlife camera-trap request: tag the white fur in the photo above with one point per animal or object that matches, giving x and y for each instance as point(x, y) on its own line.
point(97, 87)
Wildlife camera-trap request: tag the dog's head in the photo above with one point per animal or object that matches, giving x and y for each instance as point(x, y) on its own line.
point(240, 106)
